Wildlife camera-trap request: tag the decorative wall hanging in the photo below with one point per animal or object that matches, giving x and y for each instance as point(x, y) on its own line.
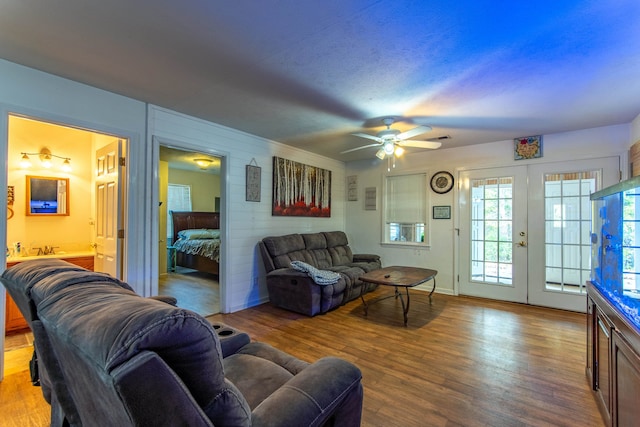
point(352, 188)
point(10, 200)
point(528, 147)
point(370, 199)
point(442, 182)
point(300, 190)
point(253, 181)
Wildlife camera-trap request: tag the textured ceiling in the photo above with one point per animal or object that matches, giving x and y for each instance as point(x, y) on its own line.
point(311, 73)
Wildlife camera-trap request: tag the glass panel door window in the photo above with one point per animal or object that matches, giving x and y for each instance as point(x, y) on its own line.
point(491, 230)
point(567, 230)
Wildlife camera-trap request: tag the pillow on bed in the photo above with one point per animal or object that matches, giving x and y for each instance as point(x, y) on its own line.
point(199, 233)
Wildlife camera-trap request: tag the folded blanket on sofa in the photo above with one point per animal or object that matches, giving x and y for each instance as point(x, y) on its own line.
point(321, 277)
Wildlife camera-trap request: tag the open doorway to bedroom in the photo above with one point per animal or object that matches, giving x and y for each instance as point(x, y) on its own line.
point(189, 222)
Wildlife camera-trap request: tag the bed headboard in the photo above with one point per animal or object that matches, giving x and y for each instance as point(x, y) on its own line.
point(190, 220)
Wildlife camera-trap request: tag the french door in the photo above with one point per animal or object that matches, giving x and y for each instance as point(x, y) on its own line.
point(525, 231)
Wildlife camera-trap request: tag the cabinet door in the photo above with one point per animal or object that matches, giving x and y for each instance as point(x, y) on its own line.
point(84, 262)
point(14, 319)
point(626, 383)
point(602, 363)
point(591, 320)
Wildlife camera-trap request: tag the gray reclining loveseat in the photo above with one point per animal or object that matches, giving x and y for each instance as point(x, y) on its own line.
point(130, 361)
point(295, 290)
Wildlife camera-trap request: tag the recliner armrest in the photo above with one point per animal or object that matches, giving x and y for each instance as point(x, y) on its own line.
point(330, 387)
point(167, 299)
point(231, 339)
point(365, 257)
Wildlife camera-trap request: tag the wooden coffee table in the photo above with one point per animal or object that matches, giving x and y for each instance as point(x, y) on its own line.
point(399, 277)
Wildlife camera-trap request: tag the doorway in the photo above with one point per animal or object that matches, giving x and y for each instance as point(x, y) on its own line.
point(525, 231)
point(189, 181)
point(60, 153)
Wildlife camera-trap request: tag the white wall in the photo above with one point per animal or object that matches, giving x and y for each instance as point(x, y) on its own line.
point(364, 227)
point(245, 223)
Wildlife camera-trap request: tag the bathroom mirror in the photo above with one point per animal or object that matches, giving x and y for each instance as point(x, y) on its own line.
point(47, 195)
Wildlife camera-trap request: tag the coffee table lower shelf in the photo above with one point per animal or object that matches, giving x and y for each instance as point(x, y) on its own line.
point(399, 277)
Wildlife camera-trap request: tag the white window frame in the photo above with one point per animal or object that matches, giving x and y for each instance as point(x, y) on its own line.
point(415, 227)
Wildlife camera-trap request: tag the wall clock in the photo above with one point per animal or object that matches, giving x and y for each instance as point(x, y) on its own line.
point(442, 182)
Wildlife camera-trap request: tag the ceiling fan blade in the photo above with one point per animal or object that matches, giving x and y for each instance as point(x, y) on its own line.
point(366, 135)
point(359, 148)
point(413, 132)
point(421, 144)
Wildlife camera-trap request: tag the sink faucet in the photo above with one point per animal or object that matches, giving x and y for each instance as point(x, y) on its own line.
point(50, 250)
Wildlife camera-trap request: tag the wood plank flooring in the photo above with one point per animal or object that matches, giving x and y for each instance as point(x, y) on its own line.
point(459, 362)
point(195, 291)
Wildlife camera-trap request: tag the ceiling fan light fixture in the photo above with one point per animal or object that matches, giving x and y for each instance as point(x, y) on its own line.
point(399, 151)
point(388, 147)
point(380, 154)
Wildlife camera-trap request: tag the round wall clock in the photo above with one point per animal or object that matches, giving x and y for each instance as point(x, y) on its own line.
point(442, 182)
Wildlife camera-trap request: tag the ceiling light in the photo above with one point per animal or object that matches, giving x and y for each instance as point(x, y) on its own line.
point(203, 163)
point(388, 147)
point(380, 154)
point(399, 151)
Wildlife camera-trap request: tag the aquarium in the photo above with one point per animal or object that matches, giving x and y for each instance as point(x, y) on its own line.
point(615, 247)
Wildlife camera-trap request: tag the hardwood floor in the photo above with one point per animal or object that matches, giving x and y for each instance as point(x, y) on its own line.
point(195, 291)
point(459, 362)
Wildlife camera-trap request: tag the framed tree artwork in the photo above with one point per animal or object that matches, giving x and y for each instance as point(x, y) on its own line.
point(300, 190)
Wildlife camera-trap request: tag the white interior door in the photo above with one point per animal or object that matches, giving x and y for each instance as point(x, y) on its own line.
point(108, 196)
point(525, 231)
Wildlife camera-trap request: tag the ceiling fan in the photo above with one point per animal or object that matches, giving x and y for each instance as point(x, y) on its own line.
point(391, 141)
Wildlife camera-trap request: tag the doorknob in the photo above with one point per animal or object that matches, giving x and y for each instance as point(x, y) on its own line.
point(522, 243)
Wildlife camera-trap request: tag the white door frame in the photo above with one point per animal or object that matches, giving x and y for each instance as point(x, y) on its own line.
point(134, 202)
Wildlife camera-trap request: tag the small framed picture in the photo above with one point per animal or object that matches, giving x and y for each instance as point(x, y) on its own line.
point(352, 188)
point(528, 147)
point(370, 199)
point(442, 212)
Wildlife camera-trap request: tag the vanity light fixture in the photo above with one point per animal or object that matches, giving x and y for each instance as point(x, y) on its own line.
point(45, 156)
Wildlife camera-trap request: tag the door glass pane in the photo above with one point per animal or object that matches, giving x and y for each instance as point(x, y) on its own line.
point(567, 218)
point(491, 230)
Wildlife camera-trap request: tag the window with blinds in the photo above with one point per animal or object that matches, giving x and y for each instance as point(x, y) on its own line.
point(178, 199)
point(406, 209)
